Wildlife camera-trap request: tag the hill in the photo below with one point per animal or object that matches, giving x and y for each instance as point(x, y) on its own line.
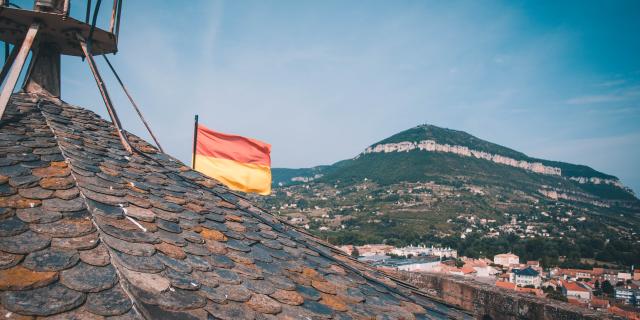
point(434, 185)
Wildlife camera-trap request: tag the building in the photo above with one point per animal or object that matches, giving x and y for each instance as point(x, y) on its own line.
point(526, 277)
point(576, 290)
point(636, 275)
point(627, 294)
point(506, 259)
point(425, 251)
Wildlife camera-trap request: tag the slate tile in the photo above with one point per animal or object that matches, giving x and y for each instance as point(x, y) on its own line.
point(45, 301)
point(24, 243)
point(130, 236)
point(146, 283)
point(259, 286)
point(111, 302)
point(231, 310)
point(36, 193)
point(308, 293)
point(12, 226)
point(233, 292)
point(61, 205)
point(132, 248)
point(198, 263)
point(84, 242)
point(140, 213)
point(287, 297)
point(14, 170)
point(171, 250)
point(140, 263)
point(57, 183)
point(168, 226)
point(8, 260)
point(67, 194)
point(26, 181)
point(227, 276)
point(98, 256)
point(220, 261)
point(181, 280)
point(87, 278)
point(205, 278)
point(64, 228)
point(196, 249)
point(317, 309)
point(105, 209)
point(20, 278)
point(264, 304)
point(51, 260)
point(7, 190)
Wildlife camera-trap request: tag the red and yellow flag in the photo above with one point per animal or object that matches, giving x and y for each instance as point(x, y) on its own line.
point(242, 164)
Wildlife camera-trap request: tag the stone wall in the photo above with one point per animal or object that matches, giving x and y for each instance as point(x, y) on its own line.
point(490, 302)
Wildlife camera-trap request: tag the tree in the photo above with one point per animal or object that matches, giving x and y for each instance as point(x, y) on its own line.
point(355, 253)
point(607, 287)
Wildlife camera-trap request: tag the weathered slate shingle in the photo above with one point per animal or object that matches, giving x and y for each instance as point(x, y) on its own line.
point(88, 230)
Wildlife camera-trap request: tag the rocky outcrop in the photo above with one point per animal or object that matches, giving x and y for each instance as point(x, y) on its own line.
point(432, 146)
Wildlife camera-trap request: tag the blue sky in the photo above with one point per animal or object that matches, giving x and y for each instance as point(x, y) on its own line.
point(321, 80)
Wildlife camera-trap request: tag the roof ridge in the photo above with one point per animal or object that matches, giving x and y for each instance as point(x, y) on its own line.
point(84, 198)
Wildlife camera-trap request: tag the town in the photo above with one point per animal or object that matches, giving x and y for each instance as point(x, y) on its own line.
point(612, 290)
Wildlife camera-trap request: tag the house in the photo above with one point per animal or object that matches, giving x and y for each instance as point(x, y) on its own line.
point(526, 277)
point(576, 290)
point(506, 259)
point(624, 276)
point(627, 294)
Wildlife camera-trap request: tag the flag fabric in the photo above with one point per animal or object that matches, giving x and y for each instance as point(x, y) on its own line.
point(241, 163)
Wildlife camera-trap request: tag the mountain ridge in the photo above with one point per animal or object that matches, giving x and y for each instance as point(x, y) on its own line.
point(432, 139)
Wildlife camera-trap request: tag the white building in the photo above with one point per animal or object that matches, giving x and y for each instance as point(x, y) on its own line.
point(576, 290)
point(506, 259)
point(526, 277)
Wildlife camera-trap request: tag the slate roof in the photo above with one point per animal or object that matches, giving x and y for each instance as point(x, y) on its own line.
point(528, 271)
point(89, 231)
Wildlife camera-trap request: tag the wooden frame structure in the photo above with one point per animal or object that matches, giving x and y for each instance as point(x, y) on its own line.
point(49, 32)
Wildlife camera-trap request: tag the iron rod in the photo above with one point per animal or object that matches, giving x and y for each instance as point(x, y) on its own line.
point(93, 26)
point(105, 94)
point(113, 16)
point(118, 18)
point(16, 67)
point(195, 143)
point(86, 18)
point(135, 106)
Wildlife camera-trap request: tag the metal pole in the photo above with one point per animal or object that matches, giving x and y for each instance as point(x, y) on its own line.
point(9, 58)
point(16, 67)
point(93, 25)
point(86, 18)
point(135, 106)
point(118, 19)
point(113, 16)
point(105, 95)
point(195, 143)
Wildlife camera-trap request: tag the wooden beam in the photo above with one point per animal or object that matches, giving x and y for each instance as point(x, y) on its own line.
point(16, 67)
point(105, 94)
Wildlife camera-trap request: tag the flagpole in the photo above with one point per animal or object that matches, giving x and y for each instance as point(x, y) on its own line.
point(195, 142)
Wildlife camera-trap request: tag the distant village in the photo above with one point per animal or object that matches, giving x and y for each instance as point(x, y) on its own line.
point(611, 290)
